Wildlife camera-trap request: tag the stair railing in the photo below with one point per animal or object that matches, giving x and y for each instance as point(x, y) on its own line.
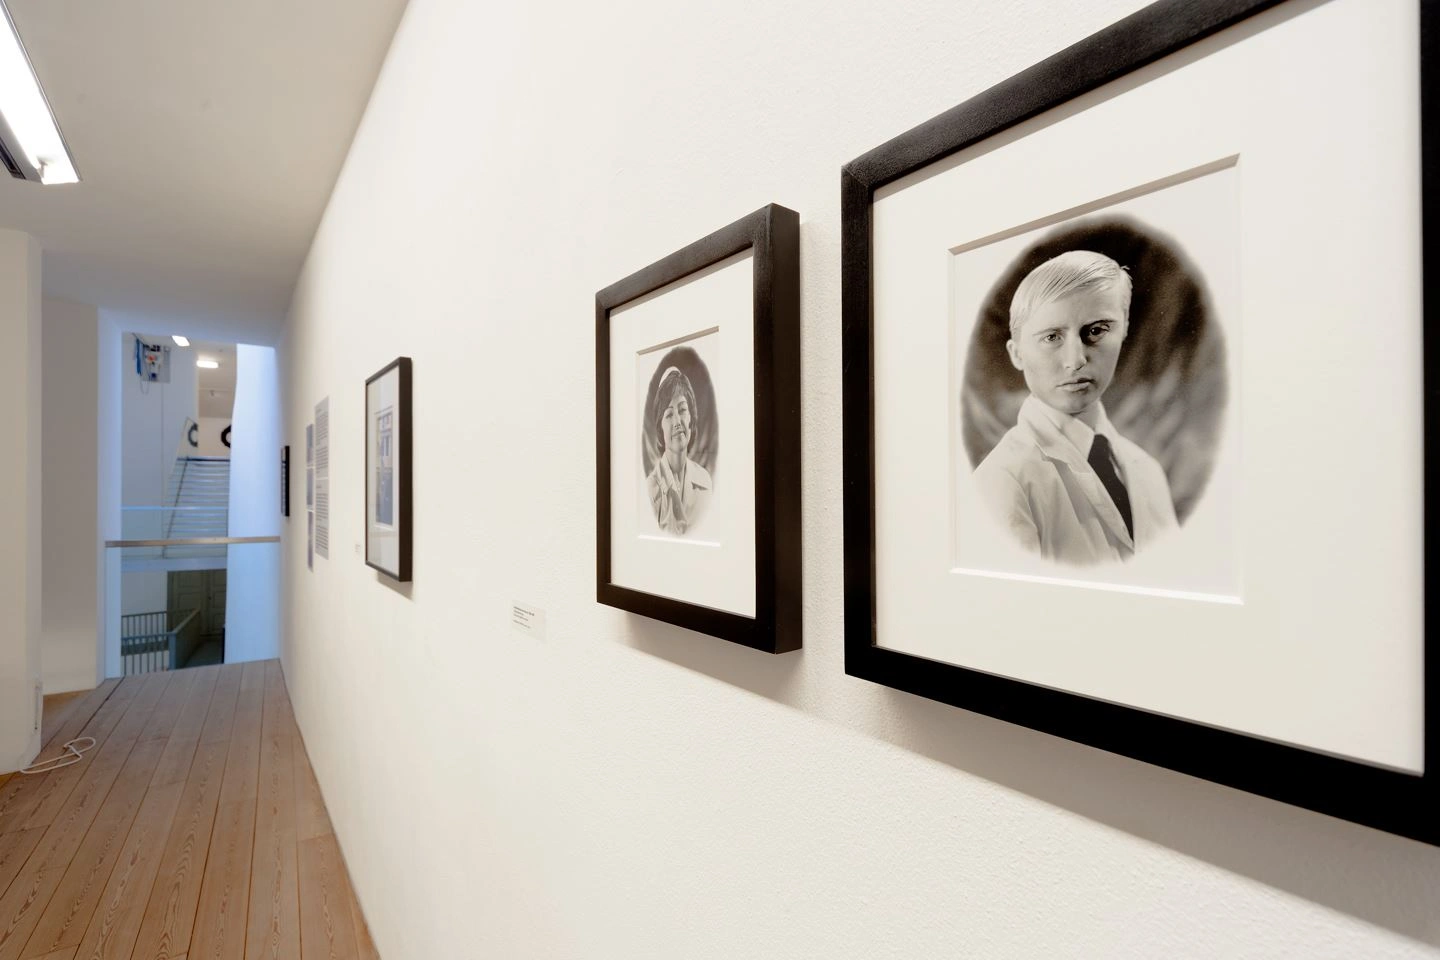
point(175, 503)
point(148, 643)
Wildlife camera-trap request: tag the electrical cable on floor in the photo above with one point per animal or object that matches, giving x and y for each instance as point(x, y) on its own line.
point(73, 754)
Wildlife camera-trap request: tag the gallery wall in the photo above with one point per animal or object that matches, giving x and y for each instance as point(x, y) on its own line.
point(154, 422)
point(252, 583)
point(609, 786)
point(153, 418)
point(109, 469)
point(209, 437)
point(21, 492)
point(72, 589)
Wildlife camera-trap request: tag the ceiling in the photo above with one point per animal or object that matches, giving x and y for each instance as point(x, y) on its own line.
point(216, 387)
point(208, 135)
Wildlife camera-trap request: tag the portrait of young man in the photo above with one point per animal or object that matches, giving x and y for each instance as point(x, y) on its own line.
point(1063, 480)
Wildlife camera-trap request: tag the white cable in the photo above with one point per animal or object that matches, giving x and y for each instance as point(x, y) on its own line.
point(72, 755)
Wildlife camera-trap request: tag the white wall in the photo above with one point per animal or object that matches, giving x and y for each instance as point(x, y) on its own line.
point(209, 437)
point(153, 421)
point(20, 491)
point(624, 789)
point(108, 473)
point(153, 417)
point(252, 586)
point(144, 591)
point(71, 628)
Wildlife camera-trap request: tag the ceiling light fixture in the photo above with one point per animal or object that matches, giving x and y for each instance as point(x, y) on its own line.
point(31, 146)
point(208, 364)
point(180, 341)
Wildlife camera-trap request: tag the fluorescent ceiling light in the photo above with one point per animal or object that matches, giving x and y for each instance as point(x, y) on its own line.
point(208, 364)
point(26, 112)
point(181, 341)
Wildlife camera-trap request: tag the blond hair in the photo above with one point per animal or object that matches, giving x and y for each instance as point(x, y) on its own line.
point(1071, 272)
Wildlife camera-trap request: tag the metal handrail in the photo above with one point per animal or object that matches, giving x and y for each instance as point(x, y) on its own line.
point(191, 541)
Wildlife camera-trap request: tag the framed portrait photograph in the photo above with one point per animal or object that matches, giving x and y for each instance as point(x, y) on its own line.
point(1135, 378)
point(697, 366)
point(388, 446)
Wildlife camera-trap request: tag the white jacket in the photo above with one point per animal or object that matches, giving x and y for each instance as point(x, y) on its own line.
point(1041, 486)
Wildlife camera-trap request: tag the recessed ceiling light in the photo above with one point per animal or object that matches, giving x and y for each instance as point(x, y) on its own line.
point(208, 364)
point(181, 341)
point(31, 146)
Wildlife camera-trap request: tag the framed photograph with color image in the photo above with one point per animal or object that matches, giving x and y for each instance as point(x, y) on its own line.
point(697, 367)
point(1135, 377)
point(388, 491)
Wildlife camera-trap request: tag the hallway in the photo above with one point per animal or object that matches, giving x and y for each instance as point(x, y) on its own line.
point(194, 828)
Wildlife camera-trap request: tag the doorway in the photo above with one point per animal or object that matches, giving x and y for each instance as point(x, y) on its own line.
point(202, 591)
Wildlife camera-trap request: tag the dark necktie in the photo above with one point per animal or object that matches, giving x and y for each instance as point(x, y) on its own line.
point(1104, 468)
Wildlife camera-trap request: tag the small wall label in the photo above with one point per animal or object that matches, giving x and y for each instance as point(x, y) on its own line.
point(528, 619)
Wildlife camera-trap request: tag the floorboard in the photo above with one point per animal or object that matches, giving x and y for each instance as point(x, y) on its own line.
point(274, 928)
point(115, 925)
point(326, 929)
point(185, 737)
point(225, 893)
point(19, 794)
point(68, 815)
point(72, 715)
point(15, 850)
point(170, 914)
point(74, 902)
point(364, 945)
point(193, 828)
point(67, 954)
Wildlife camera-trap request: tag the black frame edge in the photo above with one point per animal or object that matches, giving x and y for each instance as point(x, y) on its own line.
point(285, 481)
point(772, 232)
point(1149, 34)
point(1400, 803)
point(858, 428)
point(782, 409)
point(406, 448)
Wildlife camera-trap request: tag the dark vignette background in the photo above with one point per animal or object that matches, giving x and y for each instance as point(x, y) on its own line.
point(705, 427)
point(1170, 388)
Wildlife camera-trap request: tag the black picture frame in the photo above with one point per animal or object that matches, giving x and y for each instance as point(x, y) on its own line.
point(404, 446)
point(773, 233)
point(285, 481)
point(1389, 800)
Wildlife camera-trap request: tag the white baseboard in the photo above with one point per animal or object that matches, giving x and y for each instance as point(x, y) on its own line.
point(70, 681)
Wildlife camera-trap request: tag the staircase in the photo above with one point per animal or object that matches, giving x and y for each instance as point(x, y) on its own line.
point(199, 493)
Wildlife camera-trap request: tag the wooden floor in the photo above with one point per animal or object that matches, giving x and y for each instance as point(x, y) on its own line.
point(193, 829)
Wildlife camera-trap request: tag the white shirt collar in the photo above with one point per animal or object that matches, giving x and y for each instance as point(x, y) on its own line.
point(1079, 433)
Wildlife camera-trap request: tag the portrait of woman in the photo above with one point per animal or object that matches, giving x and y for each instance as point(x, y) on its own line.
point(679, 448)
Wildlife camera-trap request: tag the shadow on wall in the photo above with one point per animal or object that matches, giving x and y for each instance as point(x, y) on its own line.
point(775, 677)
point(1376, 877)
